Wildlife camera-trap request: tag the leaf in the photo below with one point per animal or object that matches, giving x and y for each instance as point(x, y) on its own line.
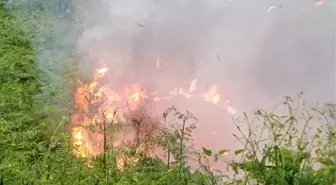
point(207, 152)
point(278, 135)
point(249, 156)
point(235, 167)
point(216, 157)
point(223, 151)
point(279, 180)
point(327, 162)
point(239, 151)
point(258, 113)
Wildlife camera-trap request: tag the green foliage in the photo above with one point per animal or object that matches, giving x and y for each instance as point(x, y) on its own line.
point(18, 85)
point(287, 150)
point(53, 39)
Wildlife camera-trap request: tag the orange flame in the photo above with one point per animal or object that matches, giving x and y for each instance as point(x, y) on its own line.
point(212, 95)
point(94, 99)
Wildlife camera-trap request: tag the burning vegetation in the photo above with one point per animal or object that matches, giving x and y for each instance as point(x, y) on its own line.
point(99, 108)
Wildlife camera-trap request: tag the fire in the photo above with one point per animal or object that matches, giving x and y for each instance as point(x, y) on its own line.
point(83, 145)
point(96, 105)
point(102, 71)
point(135, 93)
point(212, 95)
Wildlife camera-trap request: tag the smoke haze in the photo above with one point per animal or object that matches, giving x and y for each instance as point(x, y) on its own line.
point(254, 51)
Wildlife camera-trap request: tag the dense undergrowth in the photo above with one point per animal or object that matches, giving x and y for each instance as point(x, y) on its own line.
point(296, 148)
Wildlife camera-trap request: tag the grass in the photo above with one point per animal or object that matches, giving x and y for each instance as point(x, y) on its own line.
point(35, 149)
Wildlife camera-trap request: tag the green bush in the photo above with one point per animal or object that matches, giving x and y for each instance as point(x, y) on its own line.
point(297, 148)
